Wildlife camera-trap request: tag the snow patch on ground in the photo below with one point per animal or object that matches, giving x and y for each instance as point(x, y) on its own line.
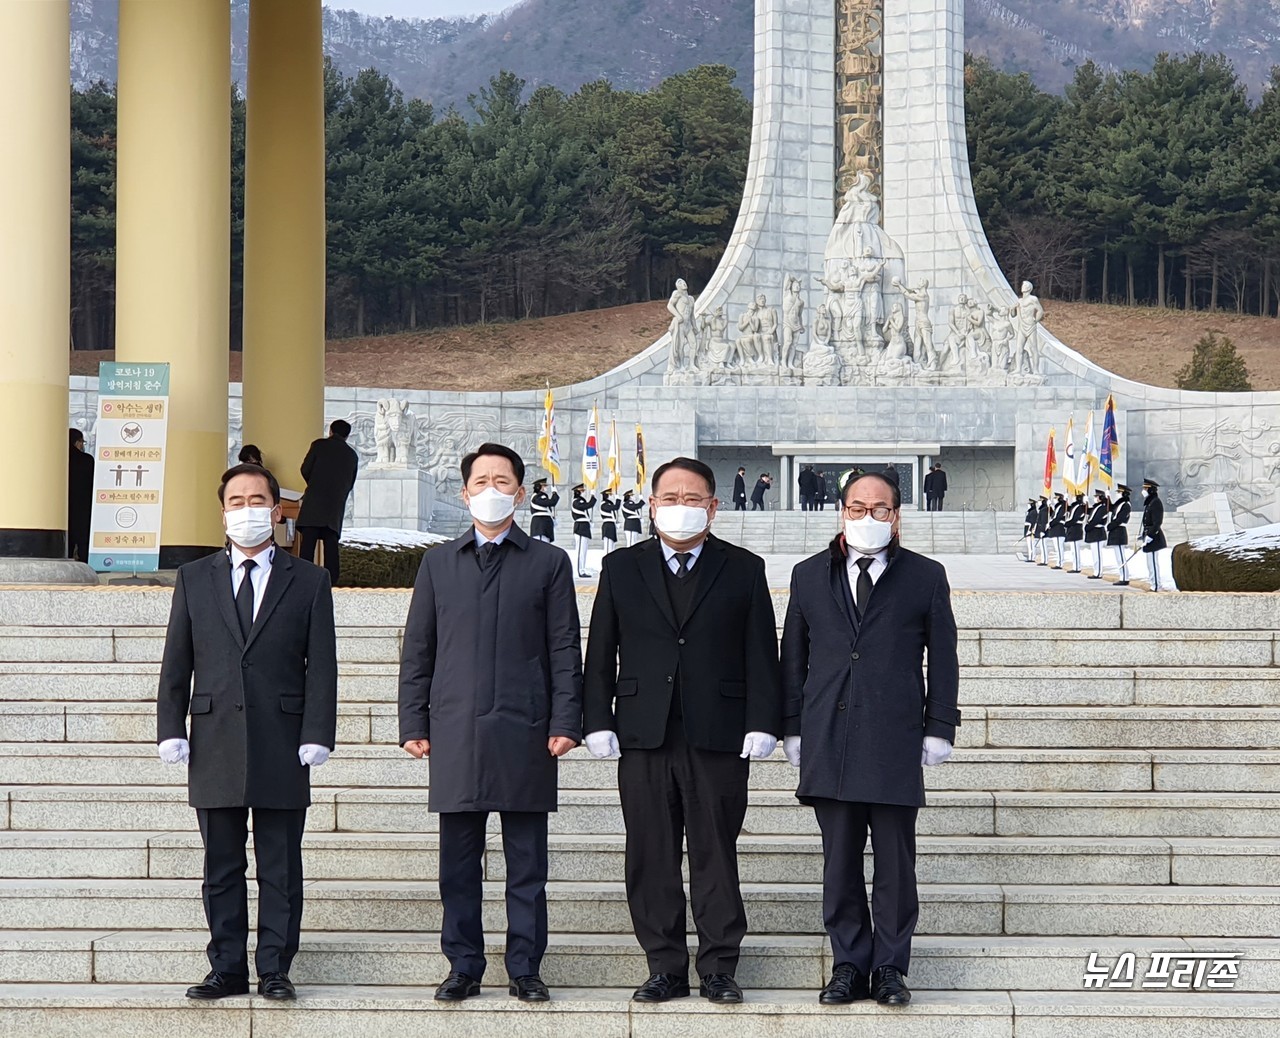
point(387, 537)
point(1246, 546)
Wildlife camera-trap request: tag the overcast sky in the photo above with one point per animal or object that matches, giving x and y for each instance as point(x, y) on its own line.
point(420, 8)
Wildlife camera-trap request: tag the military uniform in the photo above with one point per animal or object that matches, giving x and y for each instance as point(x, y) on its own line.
point(1095, 531)
point(608, 522)
point(1076, 512)
point(1057, 531)
point(1042, 530)
point(1153, 541)
point(1029, 529)
point(631, 510)
point(580, 509)
point(1118, 531)
point(542, 509)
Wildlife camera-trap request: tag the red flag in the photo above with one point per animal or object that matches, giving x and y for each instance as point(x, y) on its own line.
point(1050, 466)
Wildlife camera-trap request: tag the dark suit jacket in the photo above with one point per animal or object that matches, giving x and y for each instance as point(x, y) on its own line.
point(1153, 524)
point(79, 494)
point(739, 488)
point(330, 471)
point(255, 700)
point(726, 652)
point(940, 482)
point(855, 686)
point(930, 478)
point(757, 494)
point(491, 669)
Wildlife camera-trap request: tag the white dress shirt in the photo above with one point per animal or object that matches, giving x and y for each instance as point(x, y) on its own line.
point(260, 573)
point(669, 553)
point(878, 563)
point(482, 540)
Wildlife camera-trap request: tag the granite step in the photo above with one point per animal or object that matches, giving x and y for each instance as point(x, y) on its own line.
point(596, 812)
point(608, 960)
point(761, 859)
point(579, 907)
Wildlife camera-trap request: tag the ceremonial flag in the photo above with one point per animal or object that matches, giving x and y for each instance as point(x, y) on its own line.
point(1050, 466)
point(1088, 457)
point(591, 451)
point(1110, 451)
point(1069, 470)
point(548, 443)
point(615, 473)
point(640, 466)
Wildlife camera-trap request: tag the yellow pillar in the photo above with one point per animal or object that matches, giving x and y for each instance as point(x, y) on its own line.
point(35, 276)
point(284, 234)
point(173, 241)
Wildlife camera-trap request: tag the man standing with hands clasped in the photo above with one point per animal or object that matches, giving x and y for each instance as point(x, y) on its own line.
point(682, 680)
point(254, 627)
point(861, 720)
point(491, 691)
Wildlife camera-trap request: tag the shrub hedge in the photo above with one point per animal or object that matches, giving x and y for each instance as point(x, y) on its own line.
point(380, 565)
point(1215, 570)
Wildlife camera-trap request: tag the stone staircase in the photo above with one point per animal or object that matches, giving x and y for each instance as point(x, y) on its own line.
point(1113, 790)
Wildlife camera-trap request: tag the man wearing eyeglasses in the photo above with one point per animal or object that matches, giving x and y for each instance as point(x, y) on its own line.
point(860, 722)
point(681, 678)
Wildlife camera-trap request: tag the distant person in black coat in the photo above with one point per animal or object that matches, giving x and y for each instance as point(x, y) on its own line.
point(758, 492)
point(935, 488)
point(740, 491)
point(330, 471)
point(861, 720)
point(250, 455)
point(819, 491)
point(806, 486)
point(253, 626)
point(79, 498)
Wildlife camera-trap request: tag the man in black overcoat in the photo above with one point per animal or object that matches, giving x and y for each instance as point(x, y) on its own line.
point(330, 471)
point(682, 680)
point(254, 627)
point(491, 691)
point(79, 498)
point(861, 721)
point(739, 490)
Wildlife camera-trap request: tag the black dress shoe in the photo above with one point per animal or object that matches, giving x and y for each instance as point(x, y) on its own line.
point(1122, 583)
point(889, 986)
point(662, 987)
point(277, 987)
point(457, 987)
point(721, 989)
point(529, 989)
point(219, 985)
point(848, 984)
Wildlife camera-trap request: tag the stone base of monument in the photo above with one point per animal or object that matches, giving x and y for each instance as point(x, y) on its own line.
point(45, 571)
point(1111, 800)
point(393, 496)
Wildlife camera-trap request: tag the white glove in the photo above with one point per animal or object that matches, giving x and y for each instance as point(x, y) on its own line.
point(936, 750)
point(758, 745)
point(604, 745)
point(175, 751)
point(791, 747)
point(311, 755)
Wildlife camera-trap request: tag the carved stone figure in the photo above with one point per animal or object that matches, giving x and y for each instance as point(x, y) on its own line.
point(792, 322)
point(838, 297)
point(895, 327)
point(957, 333)
point(978, 341)
point(821, 363)
point(869, 270)
point(718, 351)
point(1027, 314)
point(390, 438)
point(749, 345)
point(684, 343)
point(1000, 328)
point(859, 210)
point(768, 331)
point(922, 326)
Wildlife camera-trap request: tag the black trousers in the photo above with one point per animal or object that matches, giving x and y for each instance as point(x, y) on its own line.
point(739, 506)
point(277, 848)
point(329, 538)
point(757, 506)
point(934, 503)
point(669, 795)
point(806, 502)
point(894, 903)
point(524, 845)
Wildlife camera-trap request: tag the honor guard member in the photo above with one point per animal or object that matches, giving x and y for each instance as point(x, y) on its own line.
point(1095, 530)
point(1118, 531)
point(609, 507)
point(1029, 529)
point(1042, 530)
point(631, 509)
point(1153, 541)
point(580, 509)
point(542, 507)
point(1057, 531)
point(1076, 512)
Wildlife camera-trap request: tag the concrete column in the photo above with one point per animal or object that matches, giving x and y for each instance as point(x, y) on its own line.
point(173, 242)
point(35, 276)
point(284, 229)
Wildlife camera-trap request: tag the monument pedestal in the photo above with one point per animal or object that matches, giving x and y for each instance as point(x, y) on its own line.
point(393, 496)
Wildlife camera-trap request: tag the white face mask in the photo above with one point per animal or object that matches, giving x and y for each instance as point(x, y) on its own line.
point(491, 506)
point(249, 527)
point(867, 535)
point(1144, 493)
point(680, 522)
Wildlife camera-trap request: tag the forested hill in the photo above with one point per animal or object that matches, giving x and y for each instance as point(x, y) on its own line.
point(636, 44)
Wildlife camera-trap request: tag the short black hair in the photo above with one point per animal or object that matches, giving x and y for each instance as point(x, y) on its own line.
point(741, 469)
point(494, 450)
point(895, 491)
point(76, 437)
point(340, 427)
point(247, 469)
point(249, 452)
point(698, 468)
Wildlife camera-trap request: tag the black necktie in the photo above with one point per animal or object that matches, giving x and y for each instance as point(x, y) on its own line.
point(683, 558)
point(244, 599)
point(486, 553)
point(863, 591)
